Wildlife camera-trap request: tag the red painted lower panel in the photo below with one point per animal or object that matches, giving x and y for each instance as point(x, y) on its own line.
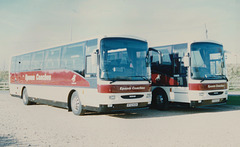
point(51, 77)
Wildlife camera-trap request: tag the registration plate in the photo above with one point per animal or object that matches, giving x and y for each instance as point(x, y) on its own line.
point(216, 100)
point(132, 105)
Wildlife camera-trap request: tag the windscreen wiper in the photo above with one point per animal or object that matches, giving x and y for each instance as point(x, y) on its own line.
point(113, 81)
point(144, 78)
point(209, 78)
point(202, 80)
point(224, 77)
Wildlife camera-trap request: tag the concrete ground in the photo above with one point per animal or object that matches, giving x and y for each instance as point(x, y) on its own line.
point(41, 125)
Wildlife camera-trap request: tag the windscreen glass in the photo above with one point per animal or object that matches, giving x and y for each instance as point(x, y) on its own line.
point(207, 61)
point(124, 59)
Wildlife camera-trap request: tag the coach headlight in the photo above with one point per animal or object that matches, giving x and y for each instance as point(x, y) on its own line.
point(226, 92)
point(201, 94)
point(149, 95)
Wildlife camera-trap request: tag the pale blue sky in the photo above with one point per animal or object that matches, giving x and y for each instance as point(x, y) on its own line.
point(27, 25)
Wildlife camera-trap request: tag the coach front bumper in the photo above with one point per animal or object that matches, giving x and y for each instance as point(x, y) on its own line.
point(117, 107)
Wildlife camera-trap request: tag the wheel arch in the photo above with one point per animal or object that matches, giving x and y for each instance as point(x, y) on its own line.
point(160, 103)
point(69, 99)
point(22, 91)
point(159, 89)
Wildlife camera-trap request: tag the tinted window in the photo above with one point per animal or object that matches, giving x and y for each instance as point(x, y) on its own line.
point(207, 61)
point(155, 57)
point(165, 54)
point(17, 64)
point(123, 59)
point(52, 58)
point(91, 67)
point(13, 63)
point(91, 46)
point(181, 49)
point(73, 57)
point(25, 62)
point(37, 60)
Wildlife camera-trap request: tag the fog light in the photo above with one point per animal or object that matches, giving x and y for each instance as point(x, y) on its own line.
point(201, 94)
point(112, 97)
point(149, 95)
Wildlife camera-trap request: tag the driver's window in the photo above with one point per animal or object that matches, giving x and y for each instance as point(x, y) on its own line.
point(154, 58)
point(91, 68)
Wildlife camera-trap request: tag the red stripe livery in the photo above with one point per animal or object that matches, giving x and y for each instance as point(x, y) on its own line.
point(201, 86)
point(59, 77)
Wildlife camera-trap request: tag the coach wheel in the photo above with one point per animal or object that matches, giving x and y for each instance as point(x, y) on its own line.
point(160, 100)
point(76, 105)
point(25, 97)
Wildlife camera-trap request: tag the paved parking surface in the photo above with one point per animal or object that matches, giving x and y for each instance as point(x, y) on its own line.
point(41, 125)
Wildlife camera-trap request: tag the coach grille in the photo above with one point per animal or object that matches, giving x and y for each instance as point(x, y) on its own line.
point(131, 96)
point(215, 93)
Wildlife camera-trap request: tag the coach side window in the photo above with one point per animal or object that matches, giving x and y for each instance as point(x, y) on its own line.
point(52, 58)
point(166, 60)
point(91, 65)
point(13, 63)
point(17, 64)
point(25, 62)
point(37, 60)
point(73, 58)
point(154, 58)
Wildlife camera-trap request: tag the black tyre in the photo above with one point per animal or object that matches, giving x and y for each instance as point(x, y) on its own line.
point(25, 97)
point(160, 100)
point(76, 105)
